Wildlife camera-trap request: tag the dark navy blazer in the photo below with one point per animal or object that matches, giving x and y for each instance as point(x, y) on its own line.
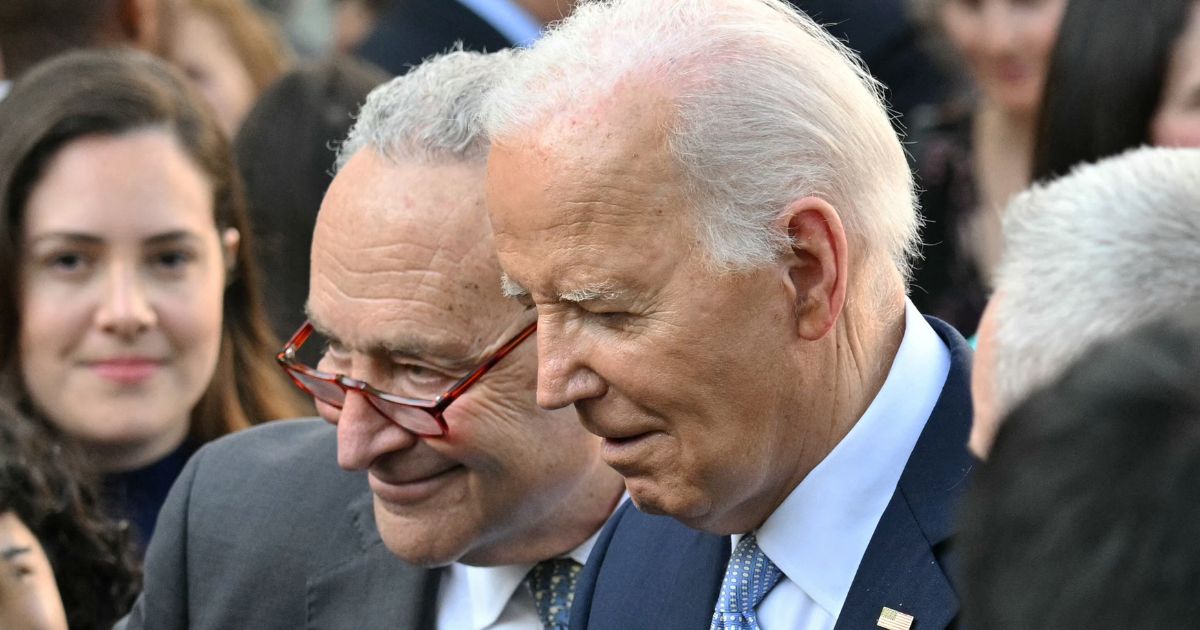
point(652, 572)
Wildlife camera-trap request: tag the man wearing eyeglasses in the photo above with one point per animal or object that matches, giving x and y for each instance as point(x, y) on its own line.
point(461, 504)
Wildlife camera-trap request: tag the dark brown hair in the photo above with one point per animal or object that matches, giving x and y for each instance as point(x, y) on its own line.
point(254, 36)
point(285, 155)
point(115, 92)
point(1105, 80)
point(91, 554)
point(33, 30)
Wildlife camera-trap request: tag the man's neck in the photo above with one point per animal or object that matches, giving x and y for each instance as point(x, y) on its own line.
point(858, 355)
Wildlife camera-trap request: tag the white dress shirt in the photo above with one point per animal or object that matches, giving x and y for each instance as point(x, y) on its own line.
point(507, 17)
point(4, 86)
point(819, 534)
point(495, 598)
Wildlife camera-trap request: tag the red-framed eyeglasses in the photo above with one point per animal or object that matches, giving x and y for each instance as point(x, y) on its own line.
point(332, 388)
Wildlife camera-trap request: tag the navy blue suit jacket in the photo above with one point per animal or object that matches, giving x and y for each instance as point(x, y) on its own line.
point(652, 572)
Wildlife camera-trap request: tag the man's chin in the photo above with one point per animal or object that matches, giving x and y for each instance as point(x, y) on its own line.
point(425, 556)
point(420, 545)
point(652, 498)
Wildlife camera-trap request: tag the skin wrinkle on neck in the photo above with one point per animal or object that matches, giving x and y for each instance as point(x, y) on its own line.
point(861, 377)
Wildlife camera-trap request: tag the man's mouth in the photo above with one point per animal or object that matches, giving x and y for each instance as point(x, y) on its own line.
point(397, 493)
point(623, 453)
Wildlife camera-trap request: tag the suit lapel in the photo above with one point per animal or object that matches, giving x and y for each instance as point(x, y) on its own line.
point(905, 565)
point(372, 589)
point(650, 572)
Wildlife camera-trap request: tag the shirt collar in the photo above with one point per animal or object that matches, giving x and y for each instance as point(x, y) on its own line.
point(507, 17)
point(490, 588)
point(819, 534)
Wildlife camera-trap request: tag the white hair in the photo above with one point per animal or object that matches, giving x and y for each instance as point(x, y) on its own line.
point(767, 109)
point(430, 113)
point(1092, 256)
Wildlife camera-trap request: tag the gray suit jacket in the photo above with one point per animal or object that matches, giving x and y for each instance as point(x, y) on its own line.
point(262, 530)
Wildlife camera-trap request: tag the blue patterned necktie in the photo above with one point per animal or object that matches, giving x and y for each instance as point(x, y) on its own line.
point(552, 584)
point(748, 579)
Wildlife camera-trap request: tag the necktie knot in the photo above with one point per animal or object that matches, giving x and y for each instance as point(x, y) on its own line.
point(748, 578)
point(552, 584)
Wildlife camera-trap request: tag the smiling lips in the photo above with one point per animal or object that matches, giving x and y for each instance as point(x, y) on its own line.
point(126, 371)
point(400, 492)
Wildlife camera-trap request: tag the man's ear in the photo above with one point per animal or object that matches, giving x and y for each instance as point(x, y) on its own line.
point(140, 22)
point(816, 265)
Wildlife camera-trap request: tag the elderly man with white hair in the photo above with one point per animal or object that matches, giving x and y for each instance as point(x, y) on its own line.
point(707, 205)
point(435, 493)
point(1088, 257)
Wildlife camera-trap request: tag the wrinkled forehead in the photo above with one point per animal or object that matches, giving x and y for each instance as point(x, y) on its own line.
point(586, 234)
point(407, 243)
point(598, 183)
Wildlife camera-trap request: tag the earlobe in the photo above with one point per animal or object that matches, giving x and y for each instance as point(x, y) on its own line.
point(231, 241)
point(816, 266)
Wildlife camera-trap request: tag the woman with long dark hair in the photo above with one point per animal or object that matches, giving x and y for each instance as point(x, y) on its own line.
point(974, 154)
point(130, 321)
point(61, 560)
point(1123, 74)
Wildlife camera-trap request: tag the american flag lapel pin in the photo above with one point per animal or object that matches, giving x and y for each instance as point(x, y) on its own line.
point(894, 619)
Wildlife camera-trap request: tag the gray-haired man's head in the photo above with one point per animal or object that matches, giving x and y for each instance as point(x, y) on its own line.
point(404, 289)
point(1087, 257)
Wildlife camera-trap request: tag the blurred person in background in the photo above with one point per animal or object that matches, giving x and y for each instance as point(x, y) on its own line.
point(1123, 74)
point(1088, 256)
point(231, 52)
point(353, 21)
point(61, 559)
point(405, 32)
point(35, 30)
point(1087, 512)
point(974, 155)
point(285, 154)
point(889, 41)
point(130, 319)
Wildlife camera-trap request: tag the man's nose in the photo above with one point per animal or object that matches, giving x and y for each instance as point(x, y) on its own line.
point(125, 309)
point(564, 377)
point(364, 434)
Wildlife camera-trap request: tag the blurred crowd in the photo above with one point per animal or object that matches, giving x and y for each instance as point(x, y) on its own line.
point(1024, 176)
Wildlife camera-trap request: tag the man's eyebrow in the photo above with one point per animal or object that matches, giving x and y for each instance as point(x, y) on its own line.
point(316, 323)
point(510, 288)
point(12, 552)
point(451, 354)
point(598, 291)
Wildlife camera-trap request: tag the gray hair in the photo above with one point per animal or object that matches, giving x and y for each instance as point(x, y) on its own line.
point(430, 113)
point(768, 108)
point(1091, 256)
